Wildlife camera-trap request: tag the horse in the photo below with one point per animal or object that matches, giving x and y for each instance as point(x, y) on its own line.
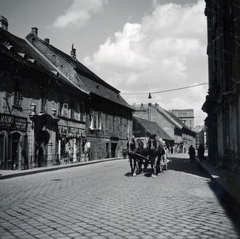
point(131, 148)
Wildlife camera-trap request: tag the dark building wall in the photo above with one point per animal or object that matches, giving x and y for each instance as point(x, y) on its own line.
point(222, 101)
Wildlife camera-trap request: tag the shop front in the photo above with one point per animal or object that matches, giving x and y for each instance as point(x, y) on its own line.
point(43, 135)
point(71, 144)
point(13, 141)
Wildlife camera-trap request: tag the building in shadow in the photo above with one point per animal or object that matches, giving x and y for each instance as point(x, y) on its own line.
point(222, 103)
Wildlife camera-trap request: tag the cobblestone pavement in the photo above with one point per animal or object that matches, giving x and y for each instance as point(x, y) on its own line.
point(103, 201)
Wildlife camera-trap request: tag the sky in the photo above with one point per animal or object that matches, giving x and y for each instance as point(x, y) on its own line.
point(137, 46)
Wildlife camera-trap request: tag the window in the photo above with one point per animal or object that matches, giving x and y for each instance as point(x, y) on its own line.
point(17, 95)
point(99, 121)
point(121, 124)
point(114, 123)
point(106, 122)
point(92, 121)
point(82, 111)
point(95, 121)
point(43, 105)
point(65, 110)
point(71, 109)
point(110, 125)
point(59, 105)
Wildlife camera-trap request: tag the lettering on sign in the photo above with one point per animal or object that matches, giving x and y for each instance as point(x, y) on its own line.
point(13, 122)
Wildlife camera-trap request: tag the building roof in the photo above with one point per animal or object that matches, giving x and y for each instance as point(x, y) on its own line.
point(18, 49)
point(79, 74)
point(153, 128)
point(76, 75)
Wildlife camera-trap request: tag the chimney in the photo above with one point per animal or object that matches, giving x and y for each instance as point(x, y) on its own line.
point(73, 52)
point(47, 40)
point(34, 31)
point(3, 23)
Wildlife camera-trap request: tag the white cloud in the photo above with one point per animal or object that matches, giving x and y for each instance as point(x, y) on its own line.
point(166, 50)
point(79, 13)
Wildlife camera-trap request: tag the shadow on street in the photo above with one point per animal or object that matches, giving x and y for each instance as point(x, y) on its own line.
point(184, 165)
point(231, 206)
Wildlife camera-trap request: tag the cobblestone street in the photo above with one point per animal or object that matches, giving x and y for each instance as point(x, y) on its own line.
point(103, 201)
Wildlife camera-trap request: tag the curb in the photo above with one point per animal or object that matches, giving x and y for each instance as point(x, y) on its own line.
point(13, 173)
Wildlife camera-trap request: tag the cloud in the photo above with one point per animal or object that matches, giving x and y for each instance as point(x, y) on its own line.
point(79, 13)
point(166, 50)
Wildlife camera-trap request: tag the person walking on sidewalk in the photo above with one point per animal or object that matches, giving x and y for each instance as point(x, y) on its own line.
point(192, 153)
point(201, 152)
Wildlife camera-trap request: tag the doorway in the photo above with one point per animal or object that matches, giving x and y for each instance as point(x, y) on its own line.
point(41, 152)
point(14, 163)
point(113, 149)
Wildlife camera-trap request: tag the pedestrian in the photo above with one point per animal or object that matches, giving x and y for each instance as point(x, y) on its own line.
point(201, 152)
point(25, 160)
point(192, 153)
point(166, 157)
point(160, 153)
point(124, 151)
point(131, 149)
point(87, 150)
point(139, 152)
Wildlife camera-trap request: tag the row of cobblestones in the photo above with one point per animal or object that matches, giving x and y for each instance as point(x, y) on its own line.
point(102, 201)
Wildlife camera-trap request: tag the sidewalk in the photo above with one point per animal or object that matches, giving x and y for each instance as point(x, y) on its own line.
point(228, 180)
point(4, 174)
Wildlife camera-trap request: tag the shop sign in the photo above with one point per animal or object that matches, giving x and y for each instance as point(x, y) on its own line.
point(13, 122)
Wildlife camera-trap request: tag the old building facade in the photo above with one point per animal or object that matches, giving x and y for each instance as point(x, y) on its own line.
point(183, 137)
point(222, 103)
point(51, 105)
point(186, 116)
